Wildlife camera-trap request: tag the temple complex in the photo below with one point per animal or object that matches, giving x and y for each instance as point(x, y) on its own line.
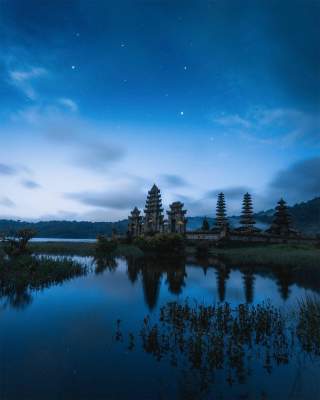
point(153, 220)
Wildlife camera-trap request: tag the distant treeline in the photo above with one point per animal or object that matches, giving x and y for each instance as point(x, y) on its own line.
point(306, 218)
point(65, 229)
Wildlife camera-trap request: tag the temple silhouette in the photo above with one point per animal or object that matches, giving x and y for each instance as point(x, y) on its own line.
point(153, 222)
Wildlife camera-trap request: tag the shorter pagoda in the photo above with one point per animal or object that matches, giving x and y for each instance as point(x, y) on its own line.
point(135, 223)
point(177, 222)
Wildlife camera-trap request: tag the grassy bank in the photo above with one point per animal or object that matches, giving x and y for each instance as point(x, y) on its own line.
point(35, 273)
point(274, 255)
point(81, 249)
point(63, 248)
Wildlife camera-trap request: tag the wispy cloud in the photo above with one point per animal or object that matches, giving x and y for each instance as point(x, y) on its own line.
point(24, 80)
point(88, 147)
point(68, 104)
point(6, 202)
point(30, 184)
point(231, 120)
point(6, 169)
point(123, 199)
point(173, 181)
point(281, 126)
point(231, 193)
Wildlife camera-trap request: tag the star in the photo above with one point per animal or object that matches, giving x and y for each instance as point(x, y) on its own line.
point(181, 112)
point(185, 67)
point(73, 67)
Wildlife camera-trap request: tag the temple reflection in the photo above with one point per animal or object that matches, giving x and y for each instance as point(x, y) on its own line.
point(248, 282)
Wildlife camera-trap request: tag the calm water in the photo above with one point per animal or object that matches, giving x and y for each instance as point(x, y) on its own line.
point(59, 343)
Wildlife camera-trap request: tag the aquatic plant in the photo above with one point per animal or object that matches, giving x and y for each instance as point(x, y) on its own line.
point(19, 276)
point(205, 339)
point(308, 328)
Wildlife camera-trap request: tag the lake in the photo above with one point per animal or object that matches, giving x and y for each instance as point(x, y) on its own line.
point(61, 342)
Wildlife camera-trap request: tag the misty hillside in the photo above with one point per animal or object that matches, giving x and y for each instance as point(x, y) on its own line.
point(306, 218)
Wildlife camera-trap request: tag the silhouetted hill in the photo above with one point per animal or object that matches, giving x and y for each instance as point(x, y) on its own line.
point(65, 229)
point(306, 218)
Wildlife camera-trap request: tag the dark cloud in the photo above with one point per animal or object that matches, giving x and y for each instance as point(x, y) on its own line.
point(98, 155)
point(87, 148)
point(299, 182)
point(173, 180)
point(6, 202)
point(30, 184)
point(231, 193)
point(6, 169)
point(118, 200)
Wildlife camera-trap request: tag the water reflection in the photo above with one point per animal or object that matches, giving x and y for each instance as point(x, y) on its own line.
point(152, 270)
point(233, 344)
point(154, 273)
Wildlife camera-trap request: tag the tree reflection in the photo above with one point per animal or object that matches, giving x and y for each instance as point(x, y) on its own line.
point(16, 297)
point(105, 263)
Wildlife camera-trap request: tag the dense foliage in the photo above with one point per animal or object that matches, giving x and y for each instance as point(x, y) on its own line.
point(171, 244)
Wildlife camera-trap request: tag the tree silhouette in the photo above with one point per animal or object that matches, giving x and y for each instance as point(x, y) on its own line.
point(205, 225)
point(281, 220)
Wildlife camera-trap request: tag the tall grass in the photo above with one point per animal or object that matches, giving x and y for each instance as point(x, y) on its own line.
point(277, 255)
point(308, 328)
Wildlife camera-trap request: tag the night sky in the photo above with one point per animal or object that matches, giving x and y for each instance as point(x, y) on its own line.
point(101, 99)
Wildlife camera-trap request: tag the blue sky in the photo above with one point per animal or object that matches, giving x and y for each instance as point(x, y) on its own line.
point(99, 100)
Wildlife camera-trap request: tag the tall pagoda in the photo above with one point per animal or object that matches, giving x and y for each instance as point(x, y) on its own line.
point(247, 220)
point(153, 220)
point(221, 215)
point(135, 223)
point(177, 221)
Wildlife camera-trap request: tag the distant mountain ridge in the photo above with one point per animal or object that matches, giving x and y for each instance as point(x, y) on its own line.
point(306, 218)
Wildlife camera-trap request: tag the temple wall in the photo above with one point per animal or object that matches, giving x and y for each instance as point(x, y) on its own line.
point(254, 238)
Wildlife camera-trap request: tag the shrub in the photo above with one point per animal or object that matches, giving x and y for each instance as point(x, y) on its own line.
point(18, 244)
point(105, 246)
point(172, 244)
